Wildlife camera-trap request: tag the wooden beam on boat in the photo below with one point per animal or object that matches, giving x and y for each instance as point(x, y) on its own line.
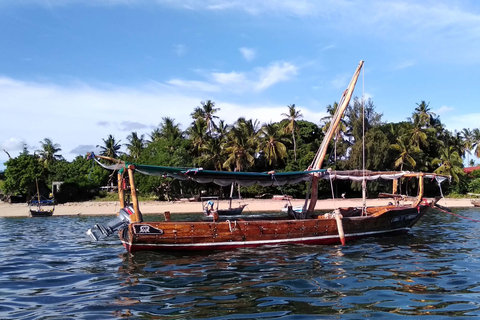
point(344, 101)
point(395, 186)
point(121, 192)
point(420, 190)
point(136, 216)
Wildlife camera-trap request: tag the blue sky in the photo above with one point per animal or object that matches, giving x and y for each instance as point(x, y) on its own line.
point(76, 71)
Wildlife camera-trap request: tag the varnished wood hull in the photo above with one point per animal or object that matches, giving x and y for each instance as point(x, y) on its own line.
point(188, 236)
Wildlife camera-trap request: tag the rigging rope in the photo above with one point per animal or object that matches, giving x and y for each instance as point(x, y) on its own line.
point(456, 215)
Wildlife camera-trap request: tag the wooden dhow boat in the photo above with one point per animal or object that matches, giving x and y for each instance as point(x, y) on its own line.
point(211, 204)
point(302, 227)
point(39, 206)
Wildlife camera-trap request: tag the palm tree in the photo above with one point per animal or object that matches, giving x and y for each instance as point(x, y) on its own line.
point(48, 152)
point(405, 156)
point(450, 163)
point(423, 115)
point(292, 125)
point(110, 148)
point(271, 144)
point(467, 137)
point(155, 135)
point(206, 112)
point(241, 145)
point(135, 145)
point(418, 137)
point(211, 154)
point(196, 134)
point(169, 129)
point(476, 141)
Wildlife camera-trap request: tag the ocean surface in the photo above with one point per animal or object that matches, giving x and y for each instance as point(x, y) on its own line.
point(49, 269)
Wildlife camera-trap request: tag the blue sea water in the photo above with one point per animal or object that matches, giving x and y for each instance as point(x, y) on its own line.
point(49, 269)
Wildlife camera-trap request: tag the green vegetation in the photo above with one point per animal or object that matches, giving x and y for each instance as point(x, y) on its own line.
point(421, 143)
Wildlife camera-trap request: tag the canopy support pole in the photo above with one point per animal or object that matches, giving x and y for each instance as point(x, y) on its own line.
point(136, 216)
point(121, 192)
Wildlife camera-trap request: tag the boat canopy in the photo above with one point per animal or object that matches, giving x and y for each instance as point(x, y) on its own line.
point(359, 175)
point(222, 178)
point(271, 178)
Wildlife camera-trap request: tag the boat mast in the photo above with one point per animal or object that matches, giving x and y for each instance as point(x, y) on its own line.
point(318, 161)
point(38, 194)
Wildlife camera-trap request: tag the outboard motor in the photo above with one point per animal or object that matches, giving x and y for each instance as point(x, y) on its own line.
point(120, 222)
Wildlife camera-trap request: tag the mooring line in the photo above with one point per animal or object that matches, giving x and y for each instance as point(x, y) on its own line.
point(456, 215)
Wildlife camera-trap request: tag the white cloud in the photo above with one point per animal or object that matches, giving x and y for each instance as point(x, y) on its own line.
point(341, 81)
point(276, 72)
point(256, 80)
point(248, 53)
point(180, 50)
point(12, 144)
point(444, 110)
point(462, 121)
point(194, 85)
point(404, 64)
point(229, 78)
point(80, 116)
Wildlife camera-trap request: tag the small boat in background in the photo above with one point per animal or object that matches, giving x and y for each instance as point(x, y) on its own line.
point(40, 206)
point(211, 203)
point(475, 199)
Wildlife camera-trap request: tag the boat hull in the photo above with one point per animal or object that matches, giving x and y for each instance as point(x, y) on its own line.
point(223, 235)
point(232, 211)
point(41, 213)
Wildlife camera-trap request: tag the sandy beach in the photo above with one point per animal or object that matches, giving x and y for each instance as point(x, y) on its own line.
point(92, 208)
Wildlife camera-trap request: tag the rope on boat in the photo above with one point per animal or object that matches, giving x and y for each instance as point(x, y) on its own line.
point(455, 214)
point(230, 225)
point(331, 188)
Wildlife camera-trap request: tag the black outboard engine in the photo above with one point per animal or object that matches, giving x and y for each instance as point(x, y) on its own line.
point(120, 222)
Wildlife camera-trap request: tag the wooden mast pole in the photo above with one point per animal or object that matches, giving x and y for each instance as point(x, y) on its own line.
point(344, 101)
point(38, 194)
point(136, 216)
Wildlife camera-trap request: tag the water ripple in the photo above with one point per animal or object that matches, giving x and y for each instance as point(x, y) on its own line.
point(51, 270)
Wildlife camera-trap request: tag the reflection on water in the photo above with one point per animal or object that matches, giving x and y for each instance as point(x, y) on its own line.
point(50, 270)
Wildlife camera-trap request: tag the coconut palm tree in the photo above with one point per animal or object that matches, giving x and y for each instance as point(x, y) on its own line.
point(467, 137)
point(211, 154)
point(196, 134)
point(241, 145)
point(405, 154)
point(48, 153)
point(476, 141)
point(449, 163)
point(418, 137)
point(292, 116)
point(271, 144)
point(423, 115)
point(135, 145)
point(206, 112)
point(170, 130)
point(110, 148)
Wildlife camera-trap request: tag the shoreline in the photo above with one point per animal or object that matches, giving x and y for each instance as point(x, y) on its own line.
point(98, 208)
